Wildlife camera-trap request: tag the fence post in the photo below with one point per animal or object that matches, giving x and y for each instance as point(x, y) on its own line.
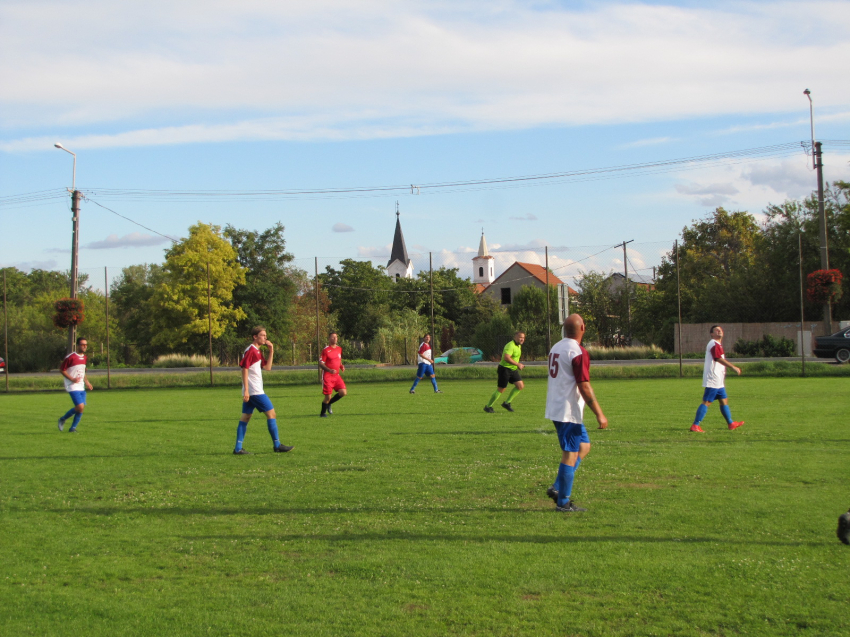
point(5, 333)
point(802, 310)
point(209, 319)
point(679, 300)
point(548, 311)
point(106, 290)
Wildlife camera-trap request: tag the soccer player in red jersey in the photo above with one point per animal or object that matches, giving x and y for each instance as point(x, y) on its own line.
point(73, 368)
point(331, 364)
point(426, 365)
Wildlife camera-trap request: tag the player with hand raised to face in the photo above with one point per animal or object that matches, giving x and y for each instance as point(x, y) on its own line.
point(73, 368)
point(253, 397)
point(567, 392)
point(331, 364)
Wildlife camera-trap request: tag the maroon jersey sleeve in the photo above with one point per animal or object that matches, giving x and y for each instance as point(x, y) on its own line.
point(581, 366)
point(251, 356)
point(717, 351)
point(424, 348)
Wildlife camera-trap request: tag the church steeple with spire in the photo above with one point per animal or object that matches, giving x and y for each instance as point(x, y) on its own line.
point(399, 266)
point(483, 265)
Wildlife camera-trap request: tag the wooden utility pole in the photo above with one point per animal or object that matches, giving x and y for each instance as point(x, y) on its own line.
point(209, 320)
point(824, 235)
point(548, 311)
point(75, 256)
point(106, 296)
point(679, 301)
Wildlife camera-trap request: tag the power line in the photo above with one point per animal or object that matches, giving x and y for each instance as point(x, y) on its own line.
point(165, 236)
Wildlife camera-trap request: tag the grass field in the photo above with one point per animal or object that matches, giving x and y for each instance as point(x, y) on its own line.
point(422, 515)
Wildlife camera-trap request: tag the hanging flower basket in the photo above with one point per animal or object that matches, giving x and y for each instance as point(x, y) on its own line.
point(69, 312)
point(823, 286)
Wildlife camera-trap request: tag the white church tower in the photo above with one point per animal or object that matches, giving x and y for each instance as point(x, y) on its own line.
point(483, 266)
point(399, 266)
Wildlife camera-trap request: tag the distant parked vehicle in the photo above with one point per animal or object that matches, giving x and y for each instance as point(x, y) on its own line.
point(836, 345)
point(465, 354)
point(2, 363)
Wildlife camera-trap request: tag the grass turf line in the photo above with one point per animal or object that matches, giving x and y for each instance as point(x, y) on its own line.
point(422, 515)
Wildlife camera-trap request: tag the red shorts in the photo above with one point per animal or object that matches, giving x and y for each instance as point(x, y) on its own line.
point(331, 382)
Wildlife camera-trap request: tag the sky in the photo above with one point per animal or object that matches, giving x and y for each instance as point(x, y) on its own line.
point(326, 115)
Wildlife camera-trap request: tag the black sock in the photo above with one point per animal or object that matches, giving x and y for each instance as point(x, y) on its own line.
point(324, 407)
point(335, 398)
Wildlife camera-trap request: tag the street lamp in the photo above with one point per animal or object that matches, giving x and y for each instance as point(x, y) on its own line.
point(74, 178)
point(817, 162)
point(75, 241)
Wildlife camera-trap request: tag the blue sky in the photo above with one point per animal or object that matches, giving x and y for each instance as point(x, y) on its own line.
point(256, 96)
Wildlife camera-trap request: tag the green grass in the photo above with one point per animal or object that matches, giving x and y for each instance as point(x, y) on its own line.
point(53, 382)
point(422, 515)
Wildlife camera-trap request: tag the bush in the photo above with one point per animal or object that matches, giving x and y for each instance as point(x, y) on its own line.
point(768, 347)
point(635, 352)
point(184, 360)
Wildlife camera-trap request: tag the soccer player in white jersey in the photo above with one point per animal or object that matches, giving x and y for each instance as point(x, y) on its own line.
point(73, 368)
point(567, 392)
point(426, 365)
point(253, 397)
point(714, 380)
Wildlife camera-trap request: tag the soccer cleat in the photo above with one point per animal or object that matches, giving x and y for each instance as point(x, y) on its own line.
point(61, 424)
point(843, 531)
point(323, 415)
point(569, 507)
point(241, 452)
point(72, 430)
point(697, 429)
point(282, 448)
point(552, 492)
point(412, 391)
point(437, 391)
point(330, 410)
point(507, 406)
point(735, 425)
point(489, 410)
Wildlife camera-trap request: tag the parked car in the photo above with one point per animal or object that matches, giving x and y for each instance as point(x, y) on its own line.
point(2, 363)
point(836, 345)
point(474, 354)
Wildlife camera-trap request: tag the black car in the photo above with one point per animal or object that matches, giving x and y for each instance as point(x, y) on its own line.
point(836, 345)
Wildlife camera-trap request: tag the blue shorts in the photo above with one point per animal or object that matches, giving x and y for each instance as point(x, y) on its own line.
point(711, 393)
point(79, 397)
point(424, 370)
point(571, 435)
point(260, 402)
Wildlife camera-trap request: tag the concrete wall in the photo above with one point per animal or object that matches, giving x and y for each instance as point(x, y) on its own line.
point(695, 336)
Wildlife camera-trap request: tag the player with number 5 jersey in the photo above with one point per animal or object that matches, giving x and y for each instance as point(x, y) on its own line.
point(567, 393)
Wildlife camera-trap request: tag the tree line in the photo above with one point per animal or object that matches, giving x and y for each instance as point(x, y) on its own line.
point(733, 267)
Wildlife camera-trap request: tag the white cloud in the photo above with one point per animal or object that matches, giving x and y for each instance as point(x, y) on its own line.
point(655, 141)
point(132, 240)
point(341, 227)
point(175, 73)
point(526, 217)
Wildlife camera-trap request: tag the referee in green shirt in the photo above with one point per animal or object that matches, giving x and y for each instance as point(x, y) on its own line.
point(509, 369)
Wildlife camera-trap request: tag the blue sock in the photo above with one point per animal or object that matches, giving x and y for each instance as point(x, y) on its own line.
point(434, 382)
point(578, 462)
point(415, 382)
point(566, 475)
point(727, 413)
point(702, 410)
point(272, 422)
point(77, 417)
point(69, 413)
point(240, 434)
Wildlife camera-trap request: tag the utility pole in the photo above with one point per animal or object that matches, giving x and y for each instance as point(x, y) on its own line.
point(75, 254)
point(824, 246)
point(431, 283)
point(679, 302)
point(628, 296)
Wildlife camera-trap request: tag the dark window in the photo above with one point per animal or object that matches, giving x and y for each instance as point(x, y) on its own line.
point(506, 296)
point(480, 271)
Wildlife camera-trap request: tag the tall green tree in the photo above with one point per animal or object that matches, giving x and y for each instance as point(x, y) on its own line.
point(268, 292)
point(130, 297)
point(360, 295)
point(528, 313)
point(179, 299)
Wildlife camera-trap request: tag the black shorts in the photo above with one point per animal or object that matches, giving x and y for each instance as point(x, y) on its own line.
point(507, 376)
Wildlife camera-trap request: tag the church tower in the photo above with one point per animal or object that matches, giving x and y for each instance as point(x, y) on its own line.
point(483, 266)
point(399, 266)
